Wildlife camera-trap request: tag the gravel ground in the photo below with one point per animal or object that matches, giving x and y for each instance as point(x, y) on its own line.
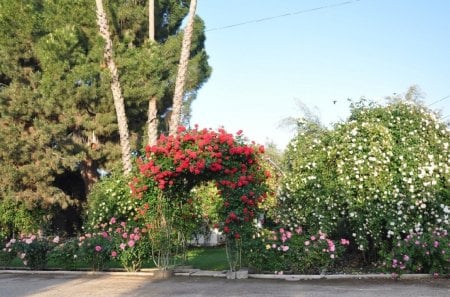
point(39, 285)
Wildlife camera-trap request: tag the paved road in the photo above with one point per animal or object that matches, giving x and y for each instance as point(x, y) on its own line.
point(130, 286)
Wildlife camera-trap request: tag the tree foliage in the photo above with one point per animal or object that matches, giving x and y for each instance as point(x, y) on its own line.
point(56, 109)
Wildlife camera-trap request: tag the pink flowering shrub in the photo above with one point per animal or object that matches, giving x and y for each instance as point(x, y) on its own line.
point(95, 249)
point(32, 250)
point(294, 251)
point(427, 252)
point(7, 254)
point(130, 244)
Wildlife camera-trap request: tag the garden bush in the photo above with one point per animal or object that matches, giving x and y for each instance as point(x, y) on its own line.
point(95, 250)
point(65, 254)
point(285, 251)
point(32, 250)
point(427, 252)
point(7, 253)
point(376, 178)
point(130, 244)
point(110, 197)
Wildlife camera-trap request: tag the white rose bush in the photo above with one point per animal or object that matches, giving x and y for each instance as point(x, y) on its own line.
point(378, 178)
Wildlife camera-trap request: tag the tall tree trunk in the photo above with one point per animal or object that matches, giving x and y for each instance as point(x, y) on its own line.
point(152, 119)
point(89, 174)
point(115, 88)
point(151, 20)
point(152, 122)
point(182, 71)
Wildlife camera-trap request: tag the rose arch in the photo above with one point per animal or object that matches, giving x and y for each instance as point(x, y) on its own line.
point(178, 163)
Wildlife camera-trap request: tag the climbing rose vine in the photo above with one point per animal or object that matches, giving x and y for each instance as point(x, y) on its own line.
point(178, 163)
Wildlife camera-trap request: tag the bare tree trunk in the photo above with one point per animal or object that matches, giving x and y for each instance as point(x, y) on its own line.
point(151, 20)
point(88, 174)
point(152, 122)
point(152, 119)
point(182, 71)
point(115, 88)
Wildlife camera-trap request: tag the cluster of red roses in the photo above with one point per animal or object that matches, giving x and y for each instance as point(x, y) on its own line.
point(210, 155)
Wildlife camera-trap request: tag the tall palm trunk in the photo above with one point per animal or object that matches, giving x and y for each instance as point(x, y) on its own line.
point(115, 88)
point(152, 119)
point(182, 71)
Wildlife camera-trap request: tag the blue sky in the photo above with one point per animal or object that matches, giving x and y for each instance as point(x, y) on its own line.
point(366, 48)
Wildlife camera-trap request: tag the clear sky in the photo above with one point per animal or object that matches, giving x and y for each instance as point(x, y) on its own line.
point(349, 49)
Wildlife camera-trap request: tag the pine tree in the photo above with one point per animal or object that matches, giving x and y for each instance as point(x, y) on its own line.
point(57, 117)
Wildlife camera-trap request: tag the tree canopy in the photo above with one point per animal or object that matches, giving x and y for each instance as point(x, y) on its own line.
point(56, 110)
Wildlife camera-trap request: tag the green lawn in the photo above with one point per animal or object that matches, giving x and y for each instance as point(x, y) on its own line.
point(211, 258)
point(205, 258)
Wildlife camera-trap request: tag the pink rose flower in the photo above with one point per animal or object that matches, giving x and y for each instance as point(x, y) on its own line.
point(288, 234)
point(345, 241)
point(98, 248)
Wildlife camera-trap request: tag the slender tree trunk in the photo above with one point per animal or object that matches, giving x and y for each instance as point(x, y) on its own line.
point(182, 71)
point(88, 174)
point(151, 20)
point(152, 122)
point(152, 119)
point(115, 88)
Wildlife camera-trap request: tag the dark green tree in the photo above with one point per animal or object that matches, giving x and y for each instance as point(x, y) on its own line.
point(57, 118)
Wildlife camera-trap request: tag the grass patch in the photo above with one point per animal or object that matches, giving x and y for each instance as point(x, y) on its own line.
point(208, 258)
point(205, 258)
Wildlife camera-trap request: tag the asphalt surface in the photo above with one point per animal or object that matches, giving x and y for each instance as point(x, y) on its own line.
point(12, 285)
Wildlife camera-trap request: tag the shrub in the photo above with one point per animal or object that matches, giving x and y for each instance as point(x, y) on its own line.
point(427, 252)
point(382, 174)
point(110, 197)
point(282, 250)
point(95, 250)
point(7, 253)
point(130, 245)
point(65, 254)
point(34, 251)
point(203, 207)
